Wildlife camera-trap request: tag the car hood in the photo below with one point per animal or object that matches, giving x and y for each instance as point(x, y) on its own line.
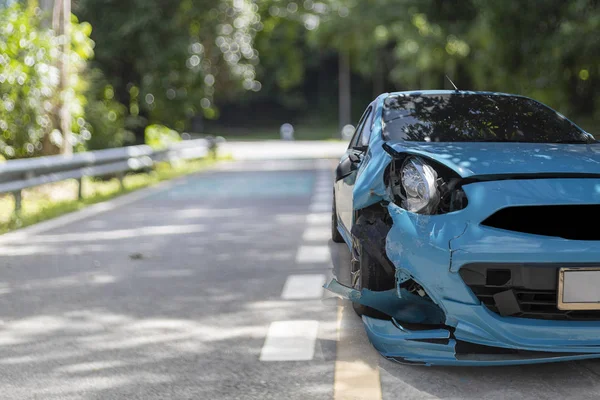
point(472, 158)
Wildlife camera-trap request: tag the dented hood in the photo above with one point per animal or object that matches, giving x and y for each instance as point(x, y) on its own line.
point(472, 158)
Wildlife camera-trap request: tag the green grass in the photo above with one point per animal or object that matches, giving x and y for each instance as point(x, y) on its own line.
point(48, 201)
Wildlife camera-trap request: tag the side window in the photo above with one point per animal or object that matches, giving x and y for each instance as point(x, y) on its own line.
point(364, 120)
point(365, 135)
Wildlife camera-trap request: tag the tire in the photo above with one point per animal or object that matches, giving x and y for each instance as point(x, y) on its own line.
point(370, 276)
point(335, 234)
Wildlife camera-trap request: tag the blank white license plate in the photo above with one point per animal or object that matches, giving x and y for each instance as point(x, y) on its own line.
point(579, 289)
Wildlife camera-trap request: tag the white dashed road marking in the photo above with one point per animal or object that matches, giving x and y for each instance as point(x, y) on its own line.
point(313, 254)
point(309, 286)
point(320, 207)
point(318, 218)
point(295, 340)
point(317, 234)
point(290, 341)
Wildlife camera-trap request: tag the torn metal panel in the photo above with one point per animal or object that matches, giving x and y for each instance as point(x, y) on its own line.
point(419, 245)
point(440, 347)
point(392, 341)
point(369, 187)
point(409, 307)
point(371, 231)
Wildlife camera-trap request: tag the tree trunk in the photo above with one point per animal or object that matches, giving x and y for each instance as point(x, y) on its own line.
point(379, 75)
point(61, 23)
point(46, 6)
point(344, 99)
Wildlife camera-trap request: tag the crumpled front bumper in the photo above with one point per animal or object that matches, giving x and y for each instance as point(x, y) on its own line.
point(432, 249)
point(447, 345)
point(439, 347)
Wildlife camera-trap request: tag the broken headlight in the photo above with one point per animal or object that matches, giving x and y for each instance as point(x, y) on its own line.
point(419, 181)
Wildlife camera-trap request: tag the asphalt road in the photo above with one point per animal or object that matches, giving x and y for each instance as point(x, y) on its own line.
point(208, 287)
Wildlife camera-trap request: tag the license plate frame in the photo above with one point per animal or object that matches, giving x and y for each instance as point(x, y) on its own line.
point(575, 305)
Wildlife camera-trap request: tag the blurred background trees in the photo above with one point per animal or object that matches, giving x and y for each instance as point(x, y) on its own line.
point(243, 67)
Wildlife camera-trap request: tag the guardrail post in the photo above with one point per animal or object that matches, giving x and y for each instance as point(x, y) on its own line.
point(212, 147)
point(120, 177)
point(18, 201)
point(80, 189)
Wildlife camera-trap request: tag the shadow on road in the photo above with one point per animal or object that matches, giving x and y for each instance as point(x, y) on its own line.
point(170, 297)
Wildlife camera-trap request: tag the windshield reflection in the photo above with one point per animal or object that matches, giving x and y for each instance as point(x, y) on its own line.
point(476, 117)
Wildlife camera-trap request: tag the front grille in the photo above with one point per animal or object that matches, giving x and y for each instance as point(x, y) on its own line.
point(534, 287)
point(536, 304)
point(575, 222)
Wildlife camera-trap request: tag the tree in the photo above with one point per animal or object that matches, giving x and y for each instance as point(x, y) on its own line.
point(29, 82)
point(61, 24)
point(168, 59)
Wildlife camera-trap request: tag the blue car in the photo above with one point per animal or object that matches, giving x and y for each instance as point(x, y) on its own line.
point(473, 219)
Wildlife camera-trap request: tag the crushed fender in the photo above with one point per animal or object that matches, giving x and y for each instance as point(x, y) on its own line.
point(372, 233)
point(408, 308)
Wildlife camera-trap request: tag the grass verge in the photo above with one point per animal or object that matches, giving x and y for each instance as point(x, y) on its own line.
point(49, 201)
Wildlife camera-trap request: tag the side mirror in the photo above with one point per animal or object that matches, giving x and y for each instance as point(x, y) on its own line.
point(354, 158)
point(347, 166)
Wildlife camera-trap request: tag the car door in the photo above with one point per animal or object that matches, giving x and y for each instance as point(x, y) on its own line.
point(348, 167)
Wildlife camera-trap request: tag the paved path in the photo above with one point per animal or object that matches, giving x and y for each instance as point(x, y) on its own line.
point(283, 150)
point(209, 287)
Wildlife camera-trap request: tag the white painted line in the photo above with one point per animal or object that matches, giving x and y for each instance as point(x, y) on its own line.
point(309, 286)
point(318, 218)
point(313, 254)
point(290, 341)
point(289, 218)
point(318, 233)
point(320, 207)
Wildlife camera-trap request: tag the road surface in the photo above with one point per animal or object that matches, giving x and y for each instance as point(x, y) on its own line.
point(209, 287)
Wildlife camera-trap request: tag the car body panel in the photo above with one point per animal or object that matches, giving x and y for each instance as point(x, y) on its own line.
point(435, 347)
point(472, 158)
point(431, 249)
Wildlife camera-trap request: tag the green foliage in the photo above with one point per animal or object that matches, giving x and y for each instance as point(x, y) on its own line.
point(167, 61)
point(29, 82)
point(160, 137)
point(164, 62)
point(105, 115)
point(547, 49)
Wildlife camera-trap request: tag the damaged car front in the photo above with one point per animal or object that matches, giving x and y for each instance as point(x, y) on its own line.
point(473, 230)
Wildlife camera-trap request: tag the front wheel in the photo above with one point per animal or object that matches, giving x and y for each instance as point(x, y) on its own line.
point(365, 274)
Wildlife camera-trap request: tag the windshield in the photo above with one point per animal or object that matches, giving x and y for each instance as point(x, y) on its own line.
point(476, 117)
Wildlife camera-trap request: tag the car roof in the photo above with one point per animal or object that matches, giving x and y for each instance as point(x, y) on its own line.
point(438, 92)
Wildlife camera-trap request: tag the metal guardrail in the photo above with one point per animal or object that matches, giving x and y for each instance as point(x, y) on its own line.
point(17, 175)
